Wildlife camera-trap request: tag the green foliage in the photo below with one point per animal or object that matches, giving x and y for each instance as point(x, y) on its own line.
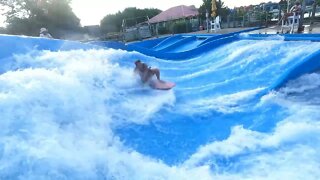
point(111, 23)
point(133, 16)
point(3, 30)
point(28, 16)
point(222, 10)
point(181, 27)
point(205, 7)
point(163, 30)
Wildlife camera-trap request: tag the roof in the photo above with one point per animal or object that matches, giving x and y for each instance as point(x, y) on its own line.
point(173, 13)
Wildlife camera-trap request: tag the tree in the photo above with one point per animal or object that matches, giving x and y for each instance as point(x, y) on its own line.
point(222, 10)
point(3, 30)
point(28, 16)
point(111, 23)
point(205, 8)
point(133, 16)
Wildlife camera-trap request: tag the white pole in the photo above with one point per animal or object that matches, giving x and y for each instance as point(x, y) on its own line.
point(288, 6)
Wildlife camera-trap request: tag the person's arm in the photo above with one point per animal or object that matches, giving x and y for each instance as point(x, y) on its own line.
point(49, 36)
point(298, 9)
point(292, 9)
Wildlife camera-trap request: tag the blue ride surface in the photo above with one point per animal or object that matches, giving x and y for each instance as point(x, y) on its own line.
point(245, 106)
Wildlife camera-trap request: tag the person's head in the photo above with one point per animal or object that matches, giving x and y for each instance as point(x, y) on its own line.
point(137, 62)
point(141, 66)
point(297, 3)
point(43, 31)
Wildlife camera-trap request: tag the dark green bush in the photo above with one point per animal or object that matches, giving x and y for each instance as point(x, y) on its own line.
point(181, 27)
point(163, 30)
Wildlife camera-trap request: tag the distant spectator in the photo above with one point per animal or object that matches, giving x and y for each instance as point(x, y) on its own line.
point(44, 33)
point(295, 10)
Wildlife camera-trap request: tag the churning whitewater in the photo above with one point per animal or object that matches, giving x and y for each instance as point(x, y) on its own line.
point(82, 114)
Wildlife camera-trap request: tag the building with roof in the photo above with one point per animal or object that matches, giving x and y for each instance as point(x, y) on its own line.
point(178, 14)
point(175, 13)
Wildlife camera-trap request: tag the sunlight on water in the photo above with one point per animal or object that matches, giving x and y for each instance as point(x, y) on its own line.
point(82, 114)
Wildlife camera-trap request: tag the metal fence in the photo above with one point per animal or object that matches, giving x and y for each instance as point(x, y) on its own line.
point(137, 33)
point(264, 18)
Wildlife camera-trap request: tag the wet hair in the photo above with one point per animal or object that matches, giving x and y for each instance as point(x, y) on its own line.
point(297, 2)
point(142, 67)
point(137, 61)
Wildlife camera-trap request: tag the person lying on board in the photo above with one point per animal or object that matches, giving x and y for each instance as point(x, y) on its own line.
point(146, 73)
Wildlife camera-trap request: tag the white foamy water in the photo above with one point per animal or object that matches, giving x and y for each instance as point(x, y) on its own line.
point(57, 109)
point(59, 112)
point(289, 151)
point(229, 103)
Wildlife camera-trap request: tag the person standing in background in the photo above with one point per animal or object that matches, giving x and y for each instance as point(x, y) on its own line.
point(45, 34)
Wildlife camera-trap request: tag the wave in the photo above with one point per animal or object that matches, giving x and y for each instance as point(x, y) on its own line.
point(82, 114)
